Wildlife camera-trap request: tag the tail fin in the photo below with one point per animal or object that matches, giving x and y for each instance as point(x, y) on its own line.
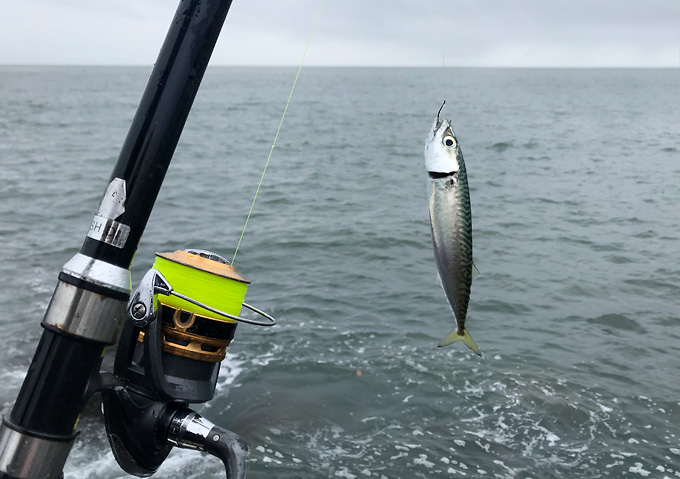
point(465, 337)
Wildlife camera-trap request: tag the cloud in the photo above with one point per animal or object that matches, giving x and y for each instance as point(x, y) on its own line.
point(358, 32)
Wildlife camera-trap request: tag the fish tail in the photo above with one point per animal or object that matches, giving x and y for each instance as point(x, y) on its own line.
point(464, 336)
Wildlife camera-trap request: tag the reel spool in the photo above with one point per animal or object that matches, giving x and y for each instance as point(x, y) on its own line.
point(188, 330)
point(205, 277)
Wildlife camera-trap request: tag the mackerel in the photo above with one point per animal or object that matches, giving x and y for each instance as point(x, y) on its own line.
point(450, 223)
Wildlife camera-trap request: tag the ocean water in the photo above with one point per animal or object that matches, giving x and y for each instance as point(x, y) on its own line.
point(575, 186)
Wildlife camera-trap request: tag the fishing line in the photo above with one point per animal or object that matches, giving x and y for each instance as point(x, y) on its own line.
point(257, 191)
point(447, 79)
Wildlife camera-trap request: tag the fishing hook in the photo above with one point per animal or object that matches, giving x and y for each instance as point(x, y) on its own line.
point(440, 110)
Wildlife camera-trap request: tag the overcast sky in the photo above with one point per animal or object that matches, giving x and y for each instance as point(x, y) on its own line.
point(564, 33)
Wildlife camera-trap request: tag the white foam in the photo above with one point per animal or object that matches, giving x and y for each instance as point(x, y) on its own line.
point(230, 369)
point(188, 461)
point(344, 472)
point(486, 447)
point(547, 391)
point(639, 469)
point(456, 472)
point(422, 461)
point(84, 462)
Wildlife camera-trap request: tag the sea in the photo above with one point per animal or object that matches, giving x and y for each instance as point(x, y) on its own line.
point(575, 188)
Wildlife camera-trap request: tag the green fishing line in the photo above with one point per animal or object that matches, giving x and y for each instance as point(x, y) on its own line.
point(216, 290)
point(257, 191)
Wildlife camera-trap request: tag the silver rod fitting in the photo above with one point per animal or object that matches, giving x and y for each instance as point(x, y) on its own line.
point(29, 457)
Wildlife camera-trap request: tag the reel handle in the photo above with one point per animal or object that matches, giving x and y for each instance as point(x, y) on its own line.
point(191, 431)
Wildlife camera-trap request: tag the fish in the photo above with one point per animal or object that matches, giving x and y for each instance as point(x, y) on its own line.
point(451, 223)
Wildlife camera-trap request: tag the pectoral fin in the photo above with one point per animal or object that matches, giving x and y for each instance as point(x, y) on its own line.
point(464, 337)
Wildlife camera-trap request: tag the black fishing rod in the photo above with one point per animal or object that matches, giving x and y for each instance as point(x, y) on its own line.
point(90, 303)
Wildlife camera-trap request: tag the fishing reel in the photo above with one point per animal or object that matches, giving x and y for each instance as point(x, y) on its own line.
point(180, 321)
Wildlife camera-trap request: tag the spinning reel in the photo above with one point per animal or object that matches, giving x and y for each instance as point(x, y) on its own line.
point(169, 356)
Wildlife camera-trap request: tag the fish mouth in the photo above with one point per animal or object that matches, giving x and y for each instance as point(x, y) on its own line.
point(435, 175)
point(440, 123)
point(442, 128)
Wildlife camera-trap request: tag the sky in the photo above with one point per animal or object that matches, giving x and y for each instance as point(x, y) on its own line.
point(472, 33)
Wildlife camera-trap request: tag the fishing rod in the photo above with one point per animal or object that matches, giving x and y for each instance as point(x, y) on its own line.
point(172, 331)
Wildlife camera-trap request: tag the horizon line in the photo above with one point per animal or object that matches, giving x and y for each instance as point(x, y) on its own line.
point(225, 65)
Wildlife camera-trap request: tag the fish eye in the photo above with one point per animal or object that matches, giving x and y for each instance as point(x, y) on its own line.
point(449, 141)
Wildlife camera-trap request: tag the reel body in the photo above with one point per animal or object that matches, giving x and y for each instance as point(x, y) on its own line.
point(169, 356)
